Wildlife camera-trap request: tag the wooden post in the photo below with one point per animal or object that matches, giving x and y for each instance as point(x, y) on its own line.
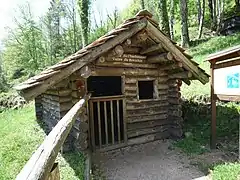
point(239, 140)
point(213, 108)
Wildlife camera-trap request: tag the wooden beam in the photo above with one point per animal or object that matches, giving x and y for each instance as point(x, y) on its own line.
point(181, 75)
point(92, 54)
point(159, 37)
point(228, 63)
point(171, 66)
point(188, 82)
point(41, 162)
point(164, 57)
point(154, 48)
point(214, 110)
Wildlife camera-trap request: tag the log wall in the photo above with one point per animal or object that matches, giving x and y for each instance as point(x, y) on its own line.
point(55, 103)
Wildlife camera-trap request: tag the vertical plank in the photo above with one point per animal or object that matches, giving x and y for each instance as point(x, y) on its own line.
point(99, 124)
point(213, 108)
point(92, 125)
point(124, 120)
point(106, 122)
point(118, 121)
point(112, 121)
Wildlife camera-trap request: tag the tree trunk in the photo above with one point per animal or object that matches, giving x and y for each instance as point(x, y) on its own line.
point(171, 22)
point(210, 6)
point(199, 11)
point(142, 4)
point(184, 23)
point(214, 21)
point(201, 20)
point(163, 14)
point(84, 17)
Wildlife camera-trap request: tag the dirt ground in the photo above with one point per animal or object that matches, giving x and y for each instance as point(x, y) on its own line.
point(151, 161)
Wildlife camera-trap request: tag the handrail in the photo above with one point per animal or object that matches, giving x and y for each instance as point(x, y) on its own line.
point(40, 164)
point(103, 98)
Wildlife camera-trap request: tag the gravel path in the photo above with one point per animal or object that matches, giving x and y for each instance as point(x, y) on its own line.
point(151, 161)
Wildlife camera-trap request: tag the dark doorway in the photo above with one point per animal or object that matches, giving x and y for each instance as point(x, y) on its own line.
point(104, 85)
point(106, 111)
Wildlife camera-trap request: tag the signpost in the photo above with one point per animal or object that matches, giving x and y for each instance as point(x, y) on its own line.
point(225, 82)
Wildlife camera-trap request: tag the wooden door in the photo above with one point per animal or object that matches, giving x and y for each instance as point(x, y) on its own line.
point(107, 124)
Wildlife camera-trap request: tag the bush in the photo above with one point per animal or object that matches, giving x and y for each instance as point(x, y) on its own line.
point(11, 100)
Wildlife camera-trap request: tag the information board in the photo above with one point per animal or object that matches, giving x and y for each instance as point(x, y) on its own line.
point(227, 80)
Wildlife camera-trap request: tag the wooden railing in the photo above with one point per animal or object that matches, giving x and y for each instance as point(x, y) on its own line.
point(40, 164)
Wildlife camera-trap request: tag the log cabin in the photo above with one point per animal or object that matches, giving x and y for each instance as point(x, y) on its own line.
point(134, 74)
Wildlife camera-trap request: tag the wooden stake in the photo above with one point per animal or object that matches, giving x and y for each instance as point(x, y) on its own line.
point(213, 107)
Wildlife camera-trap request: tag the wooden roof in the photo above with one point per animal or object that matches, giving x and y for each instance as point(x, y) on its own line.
point(225, 54)
point(143, 20)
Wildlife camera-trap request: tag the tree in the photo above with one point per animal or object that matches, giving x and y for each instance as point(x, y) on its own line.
point(163, 15)
point(84, 9)
point(171, 21)
point(201, 19)
point(184, 23)
point(142, 4)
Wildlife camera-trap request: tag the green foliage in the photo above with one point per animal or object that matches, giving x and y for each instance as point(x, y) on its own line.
point(227, 171)
point(84, 8)
point(20, 136)
point(197, 115)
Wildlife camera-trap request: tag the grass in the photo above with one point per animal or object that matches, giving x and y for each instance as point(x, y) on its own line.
point(227, 171)
point(20, 136)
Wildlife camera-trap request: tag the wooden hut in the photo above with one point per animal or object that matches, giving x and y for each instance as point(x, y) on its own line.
point(134, 74)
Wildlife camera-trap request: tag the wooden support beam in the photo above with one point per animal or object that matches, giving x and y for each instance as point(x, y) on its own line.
point(171, 66)
point(181, 75)
point(41, 162)
point(154, 48)
point(188, 82)
point(164, 57)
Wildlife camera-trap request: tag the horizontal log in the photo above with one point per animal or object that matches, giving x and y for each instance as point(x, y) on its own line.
point(143, 72)
point(175, 112)
point(145, 131)
point(113, 71)
point(171, 66)
point(162, 79)
point(162, 86)
point(64, 106)
point(161, 58)
point(181, 75)
point(57, 92)
point(131, 94)
point(75, 94)
point(127, 64)
point(148, 138)
point(78, 135)
point(174, 100)
point(162, 92)
point(134, 105)
point(177, 119)
point(63, 84)
point(146, 118)
point(154, 48)
point(81, 126)
point(175, 107)
point(149, 124)
point(174, 94)
point(147, 111)
point(131, 81)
